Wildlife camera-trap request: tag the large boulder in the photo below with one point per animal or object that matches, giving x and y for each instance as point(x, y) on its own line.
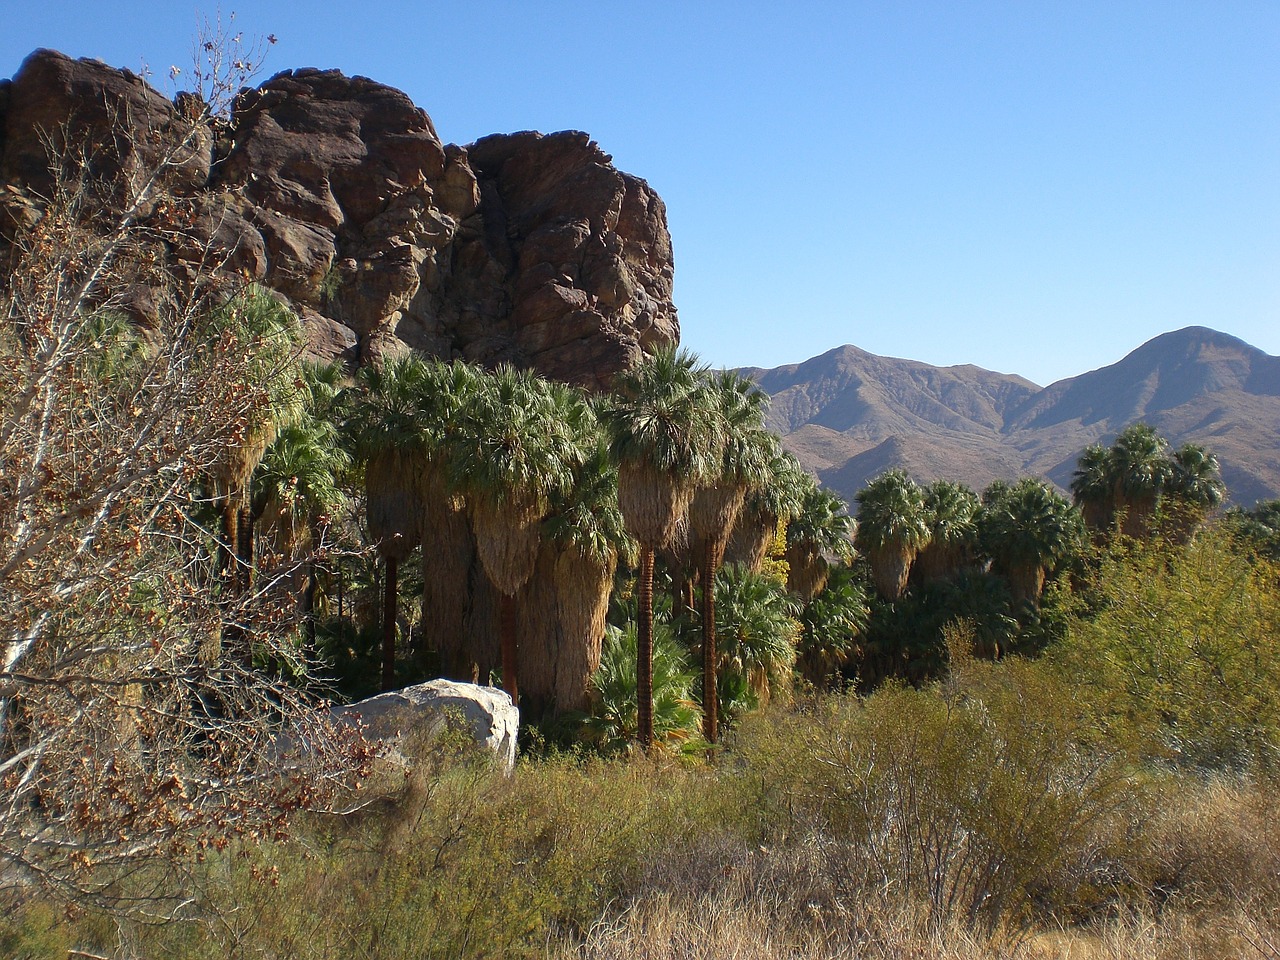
point(408, 720)
point(337, 192)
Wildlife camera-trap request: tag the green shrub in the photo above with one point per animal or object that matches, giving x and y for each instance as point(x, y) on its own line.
point(476, 865)
point(676, 717)
point(1183, 653)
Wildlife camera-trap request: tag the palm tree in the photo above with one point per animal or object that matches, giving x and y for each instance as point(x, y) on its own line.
point(615, 718)
point(662, 431)
point(1140, 469)
point(591, 535)
point(1195, 488)
point(777, 499)
point(1027, 532)
point(1093, 487)
point(758, 626)
point(892, 528)
point(820, 527)
point(563, 606)
point(745, 453)
point(448, 547)
point(951, 511)
point(1130, 481)
point(514, 451)
point(295, 486)
point(388, 439)
point(831, 624)
point(271, 338)
point(296, 483)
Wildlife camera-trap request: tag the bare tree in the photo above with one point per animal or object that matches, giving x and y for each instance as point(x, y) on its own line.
point(126, 732)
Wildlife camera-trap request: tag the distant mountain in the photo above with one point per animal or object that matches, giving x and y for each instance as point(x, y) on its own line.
point(850, 415)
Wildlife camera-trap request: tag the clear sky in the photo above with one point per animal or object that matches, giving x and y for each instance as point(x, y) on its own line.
point(1033, 186)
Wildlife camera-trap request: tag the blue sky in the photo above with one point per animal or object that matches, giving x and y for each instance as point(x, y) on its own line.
point(1032, 187)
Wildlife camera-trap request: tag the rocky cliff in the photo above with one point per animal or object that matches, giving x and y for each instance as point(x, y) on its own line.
point(337, 192)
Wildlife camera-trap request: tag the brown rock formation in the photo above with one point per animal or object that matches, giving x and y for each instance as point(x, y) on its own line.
point(106, 113)
point(337, 192)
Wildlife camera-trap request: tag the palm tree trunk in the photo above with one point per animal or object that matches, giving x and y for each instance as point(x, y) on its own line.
point(710, 697)
point(507, 627)
point(389, 627)
point(644, 653)
point(890, 569)
point(448, 553)
point(1026, 583)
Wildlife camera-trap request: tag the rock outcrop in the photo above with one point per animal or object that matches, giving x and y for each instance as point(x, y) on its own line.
point(337, 192)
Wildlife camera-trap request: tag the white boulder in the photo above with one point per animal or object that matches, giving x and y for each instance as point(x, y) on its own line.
point(405, 719)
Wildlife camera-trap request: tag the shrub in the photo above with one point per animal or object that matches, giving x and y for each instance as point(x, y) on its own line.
point(982, 801)
point(1183, 652)
point(613, 724)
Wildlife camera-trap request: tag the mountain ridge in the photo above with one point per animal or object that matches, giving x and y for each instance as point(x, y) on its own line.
point(848, 414)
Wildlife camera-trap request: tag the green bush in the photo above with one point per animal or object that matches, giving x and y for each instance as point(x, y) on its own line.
point(472, 864)
point(613, 724)
point(1183, 653)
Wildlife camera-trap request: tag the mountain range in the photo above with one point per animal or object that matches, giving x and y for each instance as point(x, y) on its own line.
point(849, 415)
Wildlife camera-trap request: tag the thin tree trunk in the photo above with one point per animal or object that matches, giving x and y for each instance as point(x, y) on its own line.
point(507, 627)
point(245, 547)
point(710, 697)
point(227, 548)
point(389, 628)
point(342, 589)
point(644, 653)
point(309, 608)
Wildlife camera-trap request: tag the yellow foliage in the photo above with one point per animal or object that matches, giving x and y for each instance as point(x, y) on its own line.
point(775, 565)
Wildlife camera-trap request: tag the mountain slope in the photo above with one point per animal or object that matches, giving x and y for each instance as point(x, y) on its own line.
point(849, 415)
point(1165, 373)
point(854, 392)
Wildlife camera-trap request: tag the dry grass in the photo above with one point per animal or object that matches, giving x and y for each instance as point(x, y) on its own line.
point(1226, 936)
point(725, 928)
point(788, 849)
point(734, 926)
point(1215, 846)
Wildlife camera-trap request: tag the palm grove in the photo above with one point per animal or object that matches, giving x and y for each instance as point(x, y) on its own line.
point(526, 512)
point(201, 534)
